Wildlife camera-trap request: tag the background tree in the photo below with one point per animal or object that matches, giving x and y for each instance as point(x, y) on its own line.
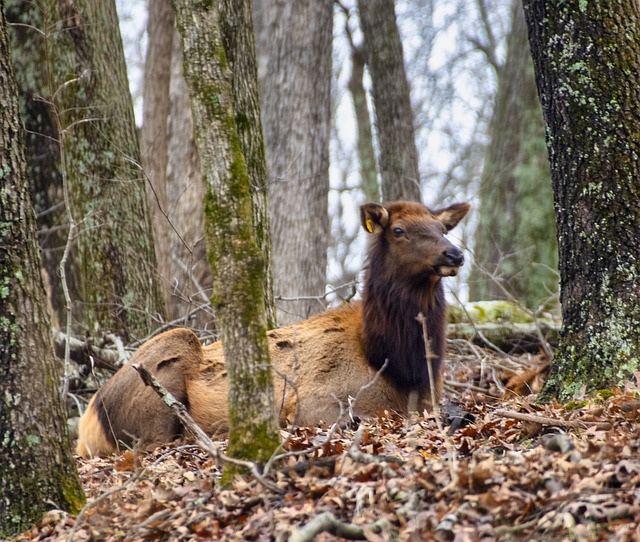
point(294, 41)
point(112, 271)
point(175, 187)
point(42, 150)
point(171, 159)
point(515, 244)
point(398, 158)
point(364, 135)
point(37, 469)
point(587, 59)
point(234, 255)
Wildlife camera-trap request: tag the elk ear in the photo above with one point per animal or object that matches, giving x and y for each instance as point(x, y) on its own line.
point(374, 217)
point(452, 215)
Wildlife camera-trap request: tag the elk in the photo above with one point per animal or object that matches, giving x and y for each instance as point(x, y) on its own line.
point(318, 363)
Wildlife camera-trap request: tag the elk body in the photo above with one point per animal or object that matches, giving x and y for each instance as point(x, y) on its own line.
point(318, 363)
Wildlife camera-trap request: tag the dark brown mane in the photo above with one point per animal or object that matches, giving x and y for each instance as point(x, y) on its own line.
point(390, 328)
point(407, 257)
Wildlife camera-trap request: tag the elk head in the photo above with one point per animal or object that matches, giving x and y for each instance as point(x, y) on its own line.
point(411, 239)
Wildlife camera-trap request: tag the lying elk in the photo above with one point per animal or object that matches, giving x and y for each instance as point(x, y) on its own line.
point(318, 362)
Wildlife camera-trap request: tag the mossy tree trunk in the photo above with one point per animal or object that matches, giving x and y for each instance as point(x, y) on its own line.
point(239, 44)
point(37, 469)
point(42, 151)
point(236, 261)
point(171, 159)
point(111, 274)
point(398, 159)
point(515, 241)
point(294, 42)
point(587, 59)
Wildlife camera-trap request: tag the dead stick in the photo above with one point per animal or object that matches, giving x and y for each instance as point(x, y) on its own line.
point(327, 522)
point(543, 420)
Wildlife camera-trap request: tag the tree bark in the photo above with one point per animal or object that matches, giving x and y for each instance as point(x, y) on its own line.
point(238, 39)
point(154, 134)
point(515, 239)
point(235, 258)
point(112, 276)
point(189, 273)
point(587, 59)
point(398, 158)
point(37, 468)
point(294, 40)
point(42, 150)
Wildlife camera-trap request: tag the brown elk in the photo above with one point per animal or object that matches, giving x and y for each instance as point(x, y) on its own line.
point(318, 363)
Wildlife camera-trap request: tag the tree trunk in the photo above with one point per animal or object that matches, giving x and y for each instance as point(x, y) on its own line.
point(515, 245)
point(37, 469)
point(236, 261)
point(154, 134)
point(189, 274)
point(238, 39)
point(294, 38)
point(587, 59)
point(398, 158)
point(112, 275)
point(366, 154)
point(42, 150)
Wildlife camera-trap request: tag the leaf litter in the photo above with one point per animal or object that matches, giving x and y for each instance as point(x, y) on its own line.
point(506, 469)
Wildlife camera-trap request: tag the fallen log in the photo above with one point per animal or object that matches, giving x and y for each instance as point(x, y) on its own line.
point(514, 338)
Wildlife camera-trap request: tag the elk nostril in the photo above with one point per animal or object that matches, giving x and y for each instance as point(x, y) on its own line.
point(454, 257)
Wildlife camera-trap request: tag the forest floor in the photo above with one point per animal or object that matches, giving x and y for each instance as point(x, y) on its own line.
point(516, 471)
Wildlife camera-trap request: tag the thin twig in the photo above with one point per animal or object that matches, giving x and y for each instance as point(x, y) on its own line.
point(453, 463)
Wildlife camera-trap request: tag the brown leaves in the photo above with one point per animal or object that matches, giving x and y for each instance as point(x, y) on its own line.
point(551, 472)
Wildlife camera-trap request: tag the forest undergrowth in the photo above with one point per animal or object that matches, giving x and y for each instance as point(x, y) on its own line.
point(506, 469)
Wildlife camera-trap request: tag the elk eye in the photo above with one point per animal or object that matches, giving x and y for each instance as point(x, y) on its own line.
point(398, 231)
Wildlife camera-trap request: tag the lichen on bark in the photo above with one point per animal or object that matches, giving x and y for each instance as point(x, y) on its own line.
point(37, 469)
point(587, 57)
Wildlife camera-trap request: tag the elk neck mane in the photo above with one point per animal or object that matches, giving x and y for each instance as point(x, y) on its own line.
point(391, 330)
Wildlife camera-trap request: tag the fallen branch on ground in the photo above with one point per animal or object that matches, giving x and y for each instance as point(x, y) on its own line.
point(84, 353)
point(327, 522)
point(508, 336)
point(544, 420)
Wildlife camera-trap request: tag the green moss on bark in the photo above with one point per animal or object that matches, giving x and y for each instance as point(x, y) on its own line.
point(587, 56)
point(236, 262)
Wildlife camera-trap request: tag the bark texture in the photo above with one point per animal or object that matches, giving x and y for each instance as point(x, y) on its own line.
point(587, 59)
point(42, 151)
point(112, 272)
point(175, 170)
point(236, 261)
point(37, 469)
point(398, 159)
point(515, 240)
point(239, 45)
point(294, 41)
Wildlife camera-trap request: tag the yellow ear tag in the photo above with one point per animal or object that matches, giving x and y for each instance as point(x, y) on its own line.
point(369, 225)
